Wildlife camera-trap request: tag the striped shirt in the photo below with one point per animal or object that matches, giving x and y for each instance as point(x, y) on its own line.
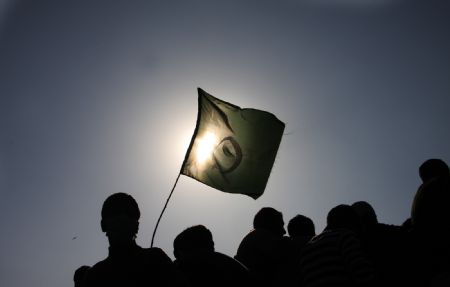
point(334, 258)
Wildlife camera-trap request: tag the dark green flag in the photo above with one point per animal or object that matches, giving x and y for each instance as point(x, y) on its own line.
point(232, 149)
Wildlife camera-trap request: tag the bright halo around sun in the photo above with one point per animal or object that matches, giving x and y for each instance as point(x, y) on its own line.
point(205, 147)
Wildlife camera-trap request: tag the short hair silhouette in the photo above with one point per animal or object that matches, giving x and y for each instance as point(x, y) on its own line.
point(343, 216)
point(192, 239)
point(432, 168)
point(301, 225)
point(270, 219)
point(120, 204)
point(120, 212)
point(366, 212)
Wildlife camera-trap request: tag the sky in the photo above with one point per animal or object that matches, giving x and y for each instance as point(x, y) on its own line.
point(98, 97)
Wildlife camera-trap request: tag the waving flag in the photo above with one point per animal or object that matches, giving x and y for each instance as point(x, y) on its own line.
point(232, 149)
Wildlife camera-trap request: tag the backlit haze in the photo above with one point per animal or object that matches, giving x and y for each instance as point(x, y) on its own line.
point(98, 97)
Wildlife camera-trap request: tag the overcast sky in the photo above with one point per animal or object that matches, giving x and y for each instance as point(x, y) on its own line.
point(98, 97)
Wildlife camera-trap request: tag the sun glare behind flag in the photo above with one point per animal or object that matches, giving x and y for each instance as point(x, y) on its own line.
point(232, 149)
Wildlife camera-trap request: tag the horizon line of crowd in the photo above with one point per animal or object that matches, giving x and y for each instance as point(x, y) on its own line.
point(354, 249)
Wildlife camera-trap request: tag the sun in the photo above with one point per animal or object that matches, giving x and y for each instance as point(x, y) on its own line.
point(205, 147)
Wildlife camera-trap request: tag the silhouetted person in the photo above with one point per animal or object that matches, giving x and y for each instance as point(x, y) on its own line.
point(430, 217)
point(430, 212)
point(264, 250)
point(432, 168)
point(300, 229)
point(202, 265)
point(431, 200)
point(386, 246)
point(335, 257)
point(127, 263)
point(79, 275)
point(427, 223)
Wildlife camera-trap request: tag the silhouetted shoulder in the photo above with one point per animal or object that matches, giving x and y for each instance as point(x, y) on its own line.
point(137, 268)
point(95, 275)
point(80, 275)
point(157, 255)
point(392, 230)
point(213, 269)
point(235, 266)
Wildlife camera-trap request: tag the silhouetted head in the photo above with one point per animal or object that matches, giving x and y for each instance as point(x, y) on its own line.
point(343, 216)
point(301, 225)
point(269, 219)
point(80, 274)
point(193, 240)
point(365, 212)
point(120, 218)
point(433, 168)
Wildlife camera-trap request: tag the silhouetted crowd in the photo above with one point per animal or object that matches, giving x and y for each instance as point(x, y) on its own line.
point(353, 250)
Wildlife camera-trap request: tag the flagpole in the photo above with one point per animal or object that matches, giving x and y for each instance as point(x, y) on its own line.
point(184, 162)
point(164, 208)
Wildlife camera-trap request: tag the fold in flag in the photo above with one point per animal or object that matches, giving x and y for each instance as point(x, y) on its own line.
point(232, 149)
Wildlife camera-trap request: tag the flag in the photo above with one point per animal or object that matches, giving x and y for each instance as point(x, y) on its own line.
point(232, 149)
